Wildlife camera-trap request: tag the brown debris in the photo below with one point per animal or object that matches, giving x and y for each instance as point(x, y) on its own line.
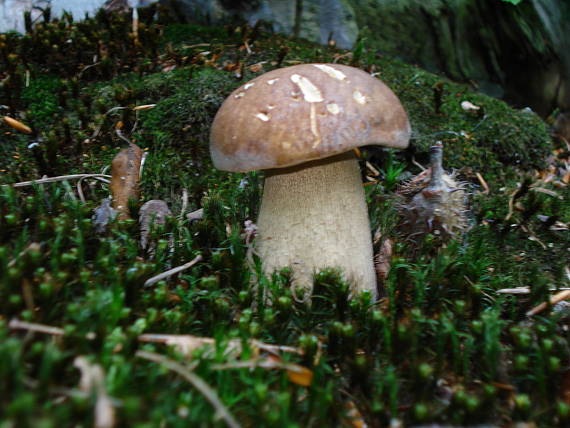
point(125, 176)
point(152, 212)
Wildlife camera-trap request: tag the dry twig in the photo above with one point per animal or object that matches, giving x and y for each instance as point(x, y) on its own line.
point(558, 297)
point(184, 203)
point(16, 324)
point(483, 183)
point(172, 271)
point(100, 177)
point(187, 343)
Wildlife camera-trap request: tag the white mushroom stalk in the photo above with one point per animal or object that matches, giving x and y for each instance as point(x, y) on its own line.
point(300, 124)
point(314, 216)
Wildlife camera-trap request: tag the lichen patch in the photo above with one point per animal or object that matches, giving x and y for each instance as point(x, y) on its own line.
point(310, 92)
point(332, 72)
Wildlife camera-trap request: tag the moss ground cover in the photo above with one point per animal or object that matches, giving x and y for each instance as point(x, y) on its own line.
point(441, 346)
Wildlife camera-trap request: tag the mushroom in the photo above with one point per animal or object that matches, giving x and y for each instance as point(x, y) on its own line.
point(301, 125)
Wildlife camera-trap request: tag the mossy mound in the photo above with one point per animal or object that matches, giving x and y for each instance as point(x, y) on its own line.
point(443, 346)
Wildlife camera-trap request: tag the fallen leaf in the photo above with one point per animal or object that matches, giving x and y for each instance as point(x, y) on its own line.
point(125, 175)
point(17, 125)
point(300, 375)
point(144, 107)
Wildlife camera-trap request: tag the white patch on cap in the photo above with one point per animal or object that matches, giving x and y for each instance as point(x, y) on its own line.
point(358, 97)
point(332, 72)
point(262, 116)
point(286, 144)
point(241, 94)
point(248, 85)
point(270, 107)
point(333, 108)
point(314, 129)
point(310, 92)
point(272, 81)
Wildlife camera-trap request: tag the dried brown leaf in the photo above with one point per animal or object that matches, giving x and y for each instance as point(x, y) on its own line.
point(300, 375)
point(144, 107)
point(17, 125)
point(125, 175)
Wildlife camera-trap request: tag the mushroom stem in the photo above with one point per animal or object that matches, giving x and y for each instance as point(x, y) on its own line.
point(314, 216)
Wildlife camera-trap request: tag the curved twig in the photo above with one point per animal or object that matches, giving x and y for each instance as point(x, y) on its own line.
point(172, 271)
point(101, 177)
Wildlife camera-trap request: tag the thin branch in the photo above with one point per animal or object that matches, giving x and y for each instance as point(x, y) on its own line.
point(483, 183)
point(34, 246)
point(98, 130)
point(120, 134)
point(143, 160)
point(524, 290)
point(275, 348)
point(198, 341)
point(172, 271)
point(419, 165)
point(184, 202)
point(196, 381)
point(101, 177)
point(16, 324)
point(87, 67)
point(80, 191)
point(258, 363)
point(558, 297)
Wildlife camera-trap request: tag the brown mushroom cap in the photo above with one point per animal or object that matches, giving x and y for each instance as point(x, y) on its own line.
point(305, 112)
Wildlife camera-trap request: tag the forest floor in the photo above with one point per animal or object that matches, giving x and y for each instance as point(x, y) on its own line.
point(468, 332)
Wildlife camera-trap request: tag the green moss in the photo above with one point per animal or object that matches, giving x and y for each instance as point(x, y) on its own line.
point(41, 99)
point(186, 33)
